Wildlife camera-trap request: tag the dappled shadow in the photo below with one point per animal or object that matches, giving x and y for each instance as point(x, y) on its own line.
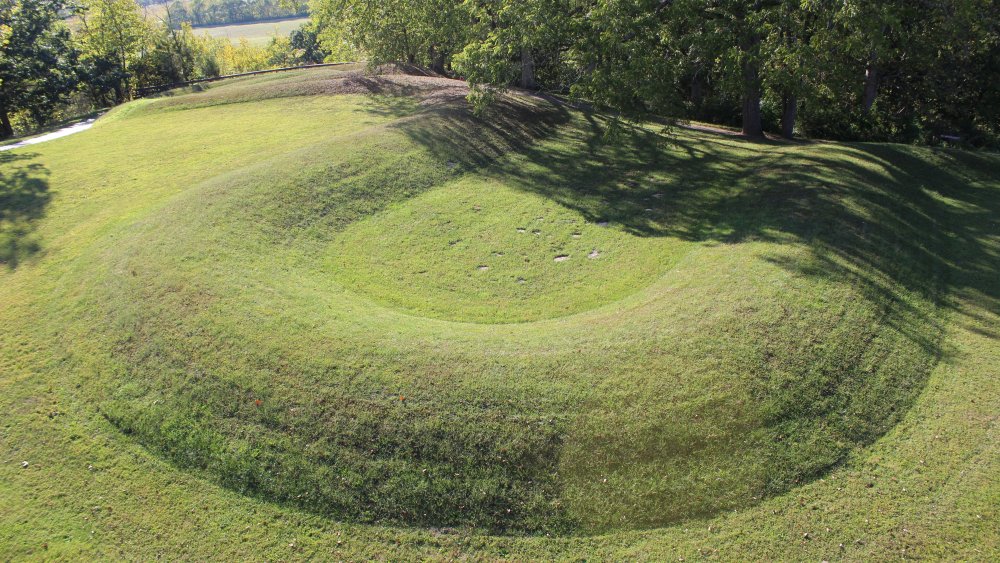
point(317, 84)
point(453, 135)
point(891, 219)
point(24, 195)
point(964, 188)
point(904, 228)
point(878, 214)
point(869, 213)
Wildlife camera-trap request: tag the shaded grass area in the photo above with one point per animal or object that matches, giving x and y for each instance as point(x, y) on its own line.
point(24, 195)
point(782, 342)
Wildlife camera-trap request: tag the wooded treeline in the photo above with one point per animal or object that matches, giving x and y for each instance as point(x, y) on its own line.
point(919, 71)
point(51, 70)
point(899, 70)
point(215, 12)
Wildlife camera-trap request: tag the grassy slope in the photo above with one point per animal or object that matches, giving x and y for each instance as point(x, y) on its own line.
point(758, 301)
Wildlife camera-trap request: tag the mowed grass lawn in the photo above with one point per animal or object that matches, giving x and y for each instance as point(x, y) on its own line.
point(256, 33)
point(284, 318)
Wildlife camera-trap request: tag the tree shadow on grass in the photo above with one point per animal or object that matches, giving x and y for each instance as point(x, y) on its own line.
point(886, 217)
point(904, 227)
point(24, 195)
point(450, 131)
point(889, 217)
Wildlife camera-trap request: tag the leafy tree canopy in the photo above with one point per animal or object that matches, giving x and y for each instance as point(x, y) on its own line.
point(37, 59)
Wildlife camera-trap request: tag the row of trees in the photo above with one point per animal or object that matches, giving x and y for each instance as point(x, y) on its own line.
point(49, 68)
point(214, 12)
point(906, 70)
point(37, 61)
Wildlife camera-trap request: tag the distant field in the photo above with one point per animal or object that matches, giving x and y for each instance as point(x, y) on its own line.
point(257, 33)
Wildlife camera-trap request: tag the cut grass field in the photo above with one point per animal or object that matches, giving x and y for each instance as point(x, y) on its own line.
point(322, 314)
point(256, 33)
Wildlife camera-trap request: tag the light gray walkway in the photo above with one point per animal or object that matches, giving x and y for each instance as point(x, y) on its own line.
point(68, 130)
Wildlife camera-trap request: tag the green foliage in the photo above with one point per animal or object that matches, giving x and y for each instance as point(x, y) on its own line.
point(124, 52)
point(900, 71)
point(616, 58)
point(242, 57)
point(114, 37)
point(426, 32)
point(908, 72)
point(903, 71)
point(246, 57)
point(178, 55)
point(37, 60)
point(305, 43)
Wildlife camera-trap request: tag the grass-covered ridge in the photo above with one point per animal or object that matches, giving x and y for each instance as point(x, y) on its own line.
point(309, 323)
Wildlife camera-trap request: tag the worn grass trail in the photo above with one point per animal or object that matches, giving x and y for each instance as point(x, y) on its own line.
point(302, 319)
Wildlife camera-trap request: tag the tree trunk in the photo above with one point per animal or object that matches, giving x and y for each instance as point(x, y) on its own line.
point(126, 94)
point(527, 70)
point(871, 87)
point(438, 64)
point(789, 109)
point(697, 93)
point(752, 126)
point(6, 130)
point(411, 56)
point(437, 59)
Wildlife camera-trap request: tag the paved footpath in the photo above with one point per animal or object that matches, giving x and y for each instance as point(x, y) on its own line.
point(68, 130)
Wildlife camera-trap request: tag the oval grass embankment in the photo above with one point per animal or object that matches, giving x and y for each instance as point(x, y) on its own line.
point(284, 294)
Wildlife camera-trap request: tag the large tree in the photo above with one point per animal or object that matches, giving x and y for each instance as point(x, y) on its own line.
point(37, 60)
point(510, 38)
point(732, 34)
point(115, 32)
point(791, 59)
point(424, 32)
point(895, 69)
point(618, 55)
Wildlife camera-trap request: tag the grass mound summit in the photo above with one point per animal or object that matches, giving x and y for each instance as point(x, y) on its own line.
point(347, 294)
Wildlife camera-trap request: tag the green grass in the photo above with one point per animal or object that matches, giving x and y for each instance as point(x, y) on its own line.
point(479, 250)
point(256, 33)
point(251, 322)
